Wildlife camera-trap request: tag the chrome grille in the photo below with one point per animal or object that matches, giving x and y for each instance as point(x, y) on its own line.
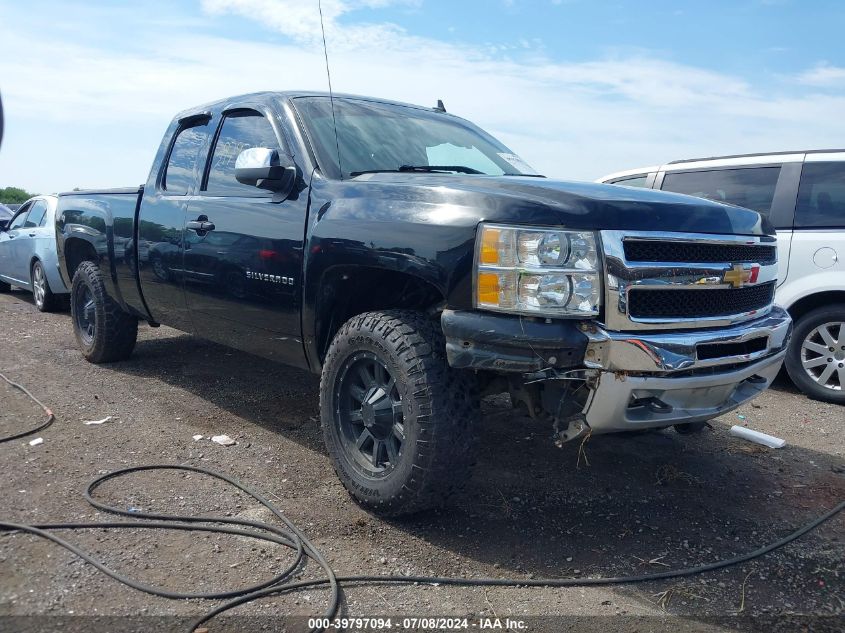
point(686, 280)
point(657, 251)
point(692, 304)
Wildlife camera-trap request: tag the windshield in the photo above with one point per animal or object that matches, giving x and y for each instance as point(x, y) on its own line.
point(380, 137)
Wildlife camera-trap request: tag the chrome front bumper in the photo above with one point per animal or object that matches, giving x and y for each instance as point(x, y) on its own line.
point(645, 380)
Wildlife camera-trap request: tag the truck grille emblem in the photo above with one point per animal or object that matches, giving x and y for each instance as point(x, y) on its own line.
point(738, 275)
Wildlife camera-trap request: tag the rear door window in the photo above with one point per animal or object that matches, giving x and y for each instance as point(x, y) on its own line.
point(749, 187)
point(179, 173)
point(36, 214)
point(821, 196)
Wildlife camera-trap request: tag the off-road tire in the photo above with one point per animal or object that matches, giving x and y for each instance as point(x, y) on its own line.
point(794, 367)
point(50, 302)
point(114, 331)
point(440, 410)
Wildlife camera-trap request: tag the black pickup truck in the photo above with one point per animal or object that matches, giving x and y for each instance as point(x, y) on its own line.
point(418, 264)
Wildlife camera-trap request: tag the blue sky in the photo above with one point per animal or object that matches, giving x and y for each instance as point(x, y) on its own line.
point(579, 88)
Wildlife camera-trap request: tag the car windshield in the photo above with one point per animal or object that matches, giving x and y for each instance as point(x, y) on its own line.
point(5, 212)
point(377, 137)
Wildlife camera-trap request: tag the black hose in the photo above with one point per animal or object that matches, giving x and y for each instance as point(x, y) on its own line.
point(41, 427)
point(290, 536)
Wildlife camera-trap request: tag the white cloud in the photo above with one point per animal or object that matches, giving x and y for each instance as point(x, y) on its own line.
point(98, 112)
point(824, 75)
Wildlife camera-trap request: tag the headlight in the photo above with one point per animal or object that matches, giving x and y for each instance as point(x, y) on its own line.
point(543, 272)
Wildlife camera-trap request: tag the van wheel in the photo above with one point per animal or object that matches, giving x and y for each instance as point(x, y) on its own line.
point(815, 360)
point(398, 422)
point(4, 287)
point(44, 298)
point(104, 332)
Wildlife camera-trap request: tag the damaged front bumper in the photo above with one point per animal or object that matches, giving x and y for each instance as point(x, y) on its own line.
point(635, 380)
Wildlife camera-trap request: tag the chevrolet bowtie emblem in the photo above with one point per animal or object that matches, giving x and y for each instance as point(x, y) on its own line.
point(738, 276)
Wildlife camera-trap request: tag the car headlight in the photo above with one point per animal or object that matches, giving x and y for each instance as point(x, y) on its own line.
point(544, 272)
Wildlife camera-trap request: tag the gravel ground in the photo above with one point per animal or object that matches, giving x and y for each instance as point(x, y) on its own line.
point(642, 503)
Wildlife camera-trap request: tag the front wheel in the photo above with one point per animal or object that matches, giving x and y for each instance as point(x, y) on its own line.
point(398, 422)
point(815, 360)
point(104, 332)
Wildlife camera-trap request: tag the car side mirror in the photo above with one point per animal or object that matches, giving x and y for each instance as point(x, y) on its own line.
point(266, 168)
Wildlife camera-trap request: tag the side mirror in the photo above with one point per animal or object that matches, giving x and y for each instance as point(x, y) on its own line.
point(266, 168)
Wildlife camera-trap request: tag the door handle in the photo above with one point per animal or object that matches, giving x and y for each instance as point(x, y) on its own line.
point(31, 234)
point(200, 226)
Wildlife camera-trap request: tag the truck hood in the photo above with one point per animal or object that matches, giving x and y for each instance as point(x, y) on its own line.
point(577, 205)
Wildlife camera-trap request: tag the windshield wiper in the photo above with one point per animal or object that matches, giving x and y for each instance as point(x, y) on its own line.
point(431, 168)
point(423, 169)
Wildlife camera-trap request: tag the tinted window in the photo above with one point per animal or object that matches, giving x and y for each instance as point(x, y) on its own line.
point(179, 175)
point(821, 196)
point(636, 181)
point(240, 131)
point(19, 220)
point(36, 214)
point(753, 187)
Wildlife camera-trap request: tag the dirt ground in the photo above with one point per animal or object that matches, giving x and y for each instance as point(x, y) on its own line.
point(643, 503)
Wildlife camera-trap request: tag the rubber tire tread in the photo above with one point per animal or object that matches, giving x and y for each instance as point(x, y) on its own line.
point(116, 331)
point(446, 404)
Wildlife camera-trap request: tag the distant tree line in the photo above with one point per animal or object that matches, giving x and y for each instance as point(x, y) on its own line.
point(14, 195)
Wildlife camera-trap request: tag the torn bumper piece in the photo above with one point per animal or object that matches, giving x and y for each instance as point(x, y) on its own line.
point(636, 380)
point(513, 344)
point(663, 378)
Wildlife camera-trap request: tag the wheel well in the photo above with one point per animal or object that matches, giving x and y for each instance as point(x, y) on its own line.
point(811, 302)
point(34, 259)
point(345, 292)
point(76, 252)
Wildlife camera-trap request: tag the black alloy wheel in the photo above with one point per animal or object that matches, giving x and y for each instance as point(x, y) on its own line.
point(371, 416)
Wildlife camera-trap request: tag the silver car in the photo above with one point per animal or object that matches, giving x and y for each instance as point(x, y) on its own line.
point(28, 253)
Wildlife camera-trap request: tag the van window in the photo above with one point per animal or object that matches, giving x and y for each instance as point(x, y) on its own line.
point(821, 196)
point(632, 181)
point(750, 187)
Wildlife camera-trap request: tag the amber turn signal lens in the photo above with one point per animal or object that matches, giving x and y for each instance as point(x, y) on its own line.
point(488, 288)
point(490, 246)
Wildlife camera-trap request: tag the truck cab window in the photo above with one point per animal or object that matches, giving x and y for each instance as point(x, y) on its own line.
point(821, 196)
point(750, 187)
point(179, 173)
point(240, 131)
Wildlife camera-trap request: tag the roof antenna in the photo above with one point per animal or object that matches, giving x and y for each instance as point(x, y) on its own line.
point(440, 107)
point(331, 93)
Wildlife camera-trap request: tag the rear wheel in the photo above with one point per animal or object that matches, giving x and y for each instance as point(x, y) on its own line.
point(398, 422)
point(816, 357)
point(4, 287)
point(104, 332)
point(44, 298)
